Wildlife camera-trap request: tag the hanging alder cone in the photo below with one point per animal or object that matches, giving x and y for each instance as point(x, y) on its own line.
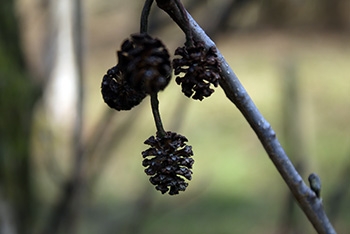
point(145, 63)
point(200, 68)
point(169, 162)
point(117, 93)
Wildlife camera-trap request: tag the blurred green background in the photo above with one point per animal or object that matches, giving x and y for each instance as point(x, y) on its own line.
point(69, 164)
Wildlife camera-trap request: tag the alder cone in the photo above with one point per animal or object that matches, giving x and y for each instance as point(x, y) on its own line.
point(145, 63)
point(168, 162)
point(117, 93)
point(199, 68)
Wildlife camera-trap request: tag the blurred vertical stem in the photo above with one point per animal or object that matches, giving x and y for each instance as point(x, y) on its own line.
point(18, 96)
point(78, 177)
point(293, 135)
point(67, 209)
point(144, 16)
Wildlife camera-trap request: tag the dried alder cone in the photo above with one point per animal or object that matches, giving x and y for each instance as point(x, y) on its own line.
point(200, 68)
point(169, 162)
point(117, 93)
point(143, 67)
point(145, 63)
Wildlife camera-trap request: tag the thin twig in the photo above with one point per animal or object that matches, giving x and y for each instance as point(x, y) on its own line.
point(144, 16)
point(235, 92)
point(187, 29)
point(155, 110)
point(177, 12)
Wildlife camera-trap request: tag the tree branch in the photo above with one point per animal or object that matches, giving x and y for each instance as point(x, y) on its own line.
point(235, 92)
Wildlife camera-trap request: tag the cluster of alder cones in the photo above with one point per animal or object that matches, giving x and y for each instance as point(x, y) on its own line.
point(144, 68)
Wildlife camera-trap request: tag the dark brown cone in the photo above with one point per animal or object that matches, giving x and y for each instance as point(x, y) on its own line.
point(168, 162)
point(117, 93)
point(145, 62)
point(200, 68)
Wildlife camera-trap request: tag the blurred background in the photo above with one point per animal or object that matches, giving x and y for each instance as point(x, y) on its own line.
point(69, 164)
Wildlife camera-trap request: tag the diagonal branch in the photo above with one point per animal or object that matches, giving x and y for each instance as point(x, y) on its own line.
point(235, 92)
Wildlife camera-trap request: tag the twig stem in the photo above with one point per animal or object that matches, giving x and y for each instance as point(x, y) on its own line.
point(187, 31)
point(144, 16)
point(178, 13)
point(155, 110)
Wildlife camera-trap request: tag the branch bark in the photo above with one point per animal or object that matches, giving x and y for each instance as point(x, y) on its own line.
point(236, 93)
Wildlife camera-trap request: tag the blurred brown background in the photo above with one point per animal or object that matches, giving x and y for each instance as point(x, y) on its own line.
point(69, 164)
